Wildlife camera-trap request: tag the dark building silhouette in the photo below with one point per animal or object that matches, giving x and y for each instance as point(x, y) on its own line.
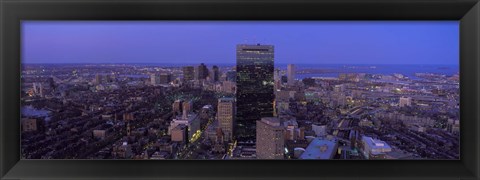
point(215, 73)
point(284, 79)
point(188, 73)
point(202, 71)
point(255, 88)
point(166, 78)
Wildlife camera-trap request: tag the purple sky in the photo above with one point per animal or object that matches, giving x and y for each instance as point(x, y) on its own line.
point(301, 42)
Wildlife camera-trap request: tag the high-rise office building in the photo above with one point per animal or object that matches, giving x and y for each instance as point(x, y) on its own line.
point(277, 75)
point(291, 70)
point(277, 79)
point(180, 133)
point(270, 141)
point(154, 79)
point(202, 71)
point(98, 79)
point(177, 107)
point(187, 106)
point(191, 120)
point(188, 73)
point(226, 115)
point(215, 73)
point(165, 78)
point(255, 93)
point(229, 87)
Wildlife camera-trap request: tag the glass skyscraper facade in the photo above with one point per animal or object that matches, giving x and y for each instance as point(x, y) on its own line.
point(255, 87)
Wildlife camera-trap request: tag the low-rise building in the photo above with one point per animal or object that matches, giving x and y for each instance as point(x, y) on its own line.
point(320, 149)
point(374, 148)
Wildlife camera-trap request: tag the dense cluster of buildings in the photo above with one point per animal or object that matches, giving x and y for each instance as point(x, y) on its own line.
point(252, 110)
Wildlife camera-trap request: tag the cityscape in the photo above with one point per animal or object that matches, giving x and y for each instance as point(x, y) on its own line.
point(256, 107)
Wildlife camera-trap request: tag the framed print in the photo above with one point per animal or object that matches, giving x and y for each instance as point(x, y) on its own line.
point(239, 89)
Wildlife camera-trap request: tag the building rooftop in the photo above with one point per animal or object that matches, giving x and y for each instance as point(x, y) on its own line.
point(225, 99)
point(292, 122)
point(272, 121)
point(207, 107)
point(375, 143)
point(185, 117)
point(320, 149)
point(180, 127)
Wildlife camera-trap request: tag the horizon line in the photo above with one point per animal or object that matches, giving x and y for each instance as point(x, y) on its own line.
point(99, 63)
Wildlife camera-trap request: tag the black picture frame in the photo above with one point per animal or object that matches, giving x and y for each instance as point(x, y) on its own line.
point(12, 12)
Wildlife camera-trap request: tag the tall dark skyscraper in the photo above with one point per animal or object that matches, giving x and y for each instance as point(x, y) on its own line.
point(202, 71)
point(215, 73)
point(188, 73)
point(255, 87)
